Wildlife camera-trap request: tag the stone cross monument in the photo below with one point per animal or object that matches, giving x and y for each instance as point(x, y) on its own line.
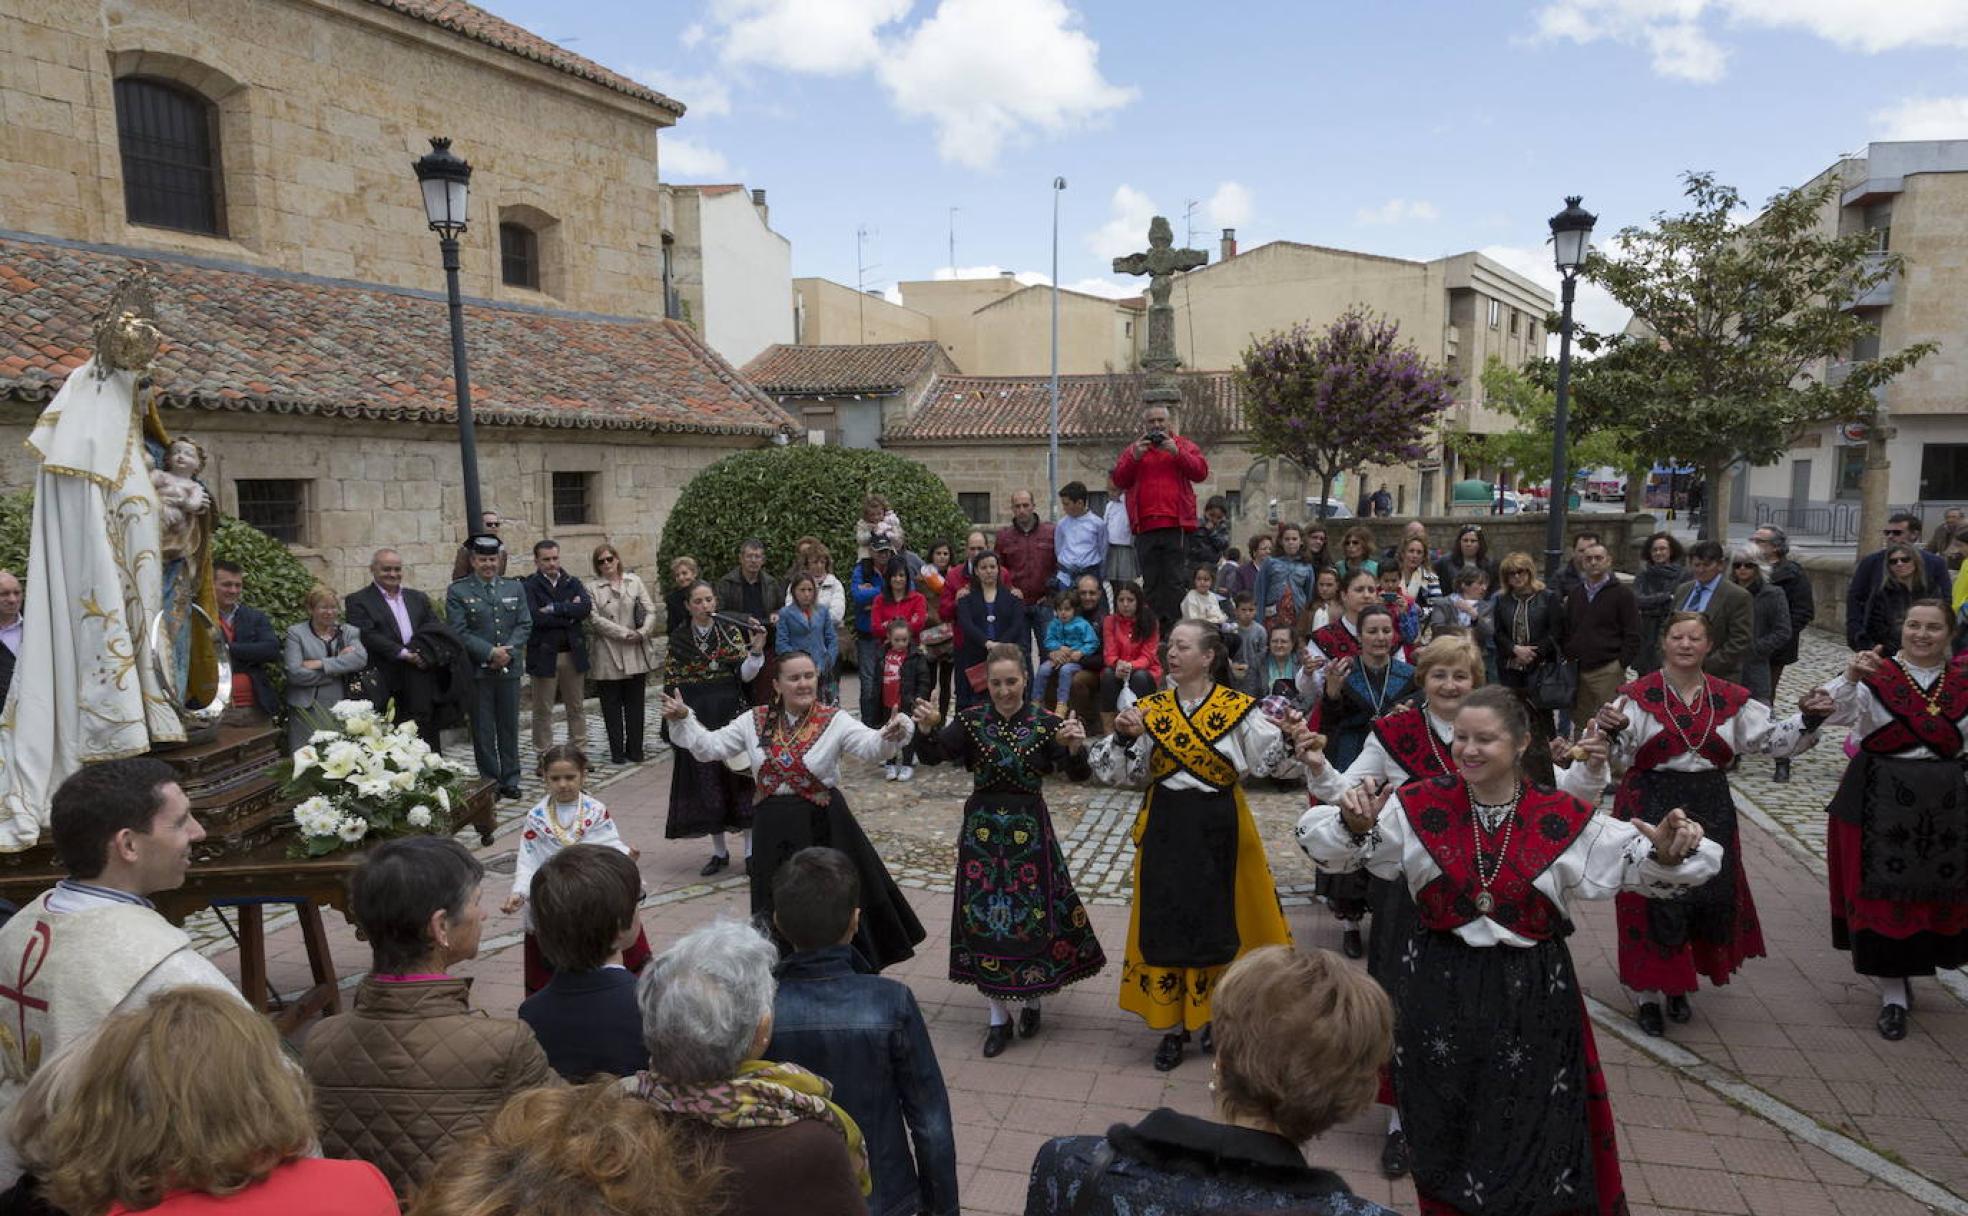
point(1161, 263)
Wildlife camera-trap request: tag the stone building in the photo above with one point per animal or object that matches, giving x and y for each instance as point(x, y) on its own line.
point(257, 154)
point(849, 395)
point(1912, 197)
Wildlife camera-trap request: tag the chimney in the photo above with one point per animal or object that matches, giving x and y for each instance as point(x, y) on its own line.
point(1007, 274)
point(1229, 245)
point(758, 204)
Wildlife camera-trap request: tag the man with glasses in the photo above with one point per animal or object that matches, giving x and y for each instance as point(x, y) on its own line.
point(389, 616)
point(1902, 528)
point(1730, 611)
point(488, 525)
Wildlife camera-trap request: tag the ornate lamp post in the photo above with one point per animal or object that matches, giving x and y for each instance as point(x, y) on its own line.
point(1571, 233)
point(446, 182)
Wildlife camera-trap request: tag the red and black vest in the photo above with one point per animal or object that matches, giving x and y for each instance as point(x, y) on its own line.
point(1336, 641)
point(1651, 693)
point(1406, 736)
point(1546, 824)
point(1916, 722)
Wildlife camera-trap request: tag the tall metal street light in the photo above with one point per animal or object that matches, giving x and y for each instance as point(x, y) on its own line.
point(1052, 451)
point(446, 182)
point(1571, 233)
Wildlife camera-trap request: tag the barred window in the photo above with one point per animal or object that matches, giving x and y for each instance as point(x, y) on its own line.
point(277, 508)
point(169, 140)
point(573, 499)
point(519, 256)
point(976, 507)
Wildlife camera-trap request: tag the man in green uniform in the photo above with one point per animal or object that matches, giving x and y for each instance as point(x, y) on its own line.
point(490, 614)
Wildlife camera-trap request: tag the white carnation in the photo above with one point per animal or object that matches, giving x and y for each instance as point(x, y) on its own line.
point(401, 782)
point(324, 736)
point(352, 709)
point(419, 817)
point(433, 761)
point(352, 829)
point(406, 729)
point(317, 817)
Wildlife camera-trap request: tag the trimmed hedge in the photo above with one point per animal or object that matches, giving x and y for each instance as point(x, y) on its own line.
point(780, 494)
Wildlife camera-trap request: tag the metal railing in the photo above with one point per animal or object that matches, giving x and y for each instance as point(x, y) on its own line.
point(1836, 522)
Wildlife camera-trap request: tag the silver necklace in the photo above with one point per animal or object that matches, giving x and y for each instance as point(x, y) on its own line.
point(1379, 695)
point(1488, 816)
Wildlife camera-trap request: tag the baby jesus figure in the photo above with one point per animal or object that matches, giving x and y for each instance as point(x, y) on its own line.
point(180, 496)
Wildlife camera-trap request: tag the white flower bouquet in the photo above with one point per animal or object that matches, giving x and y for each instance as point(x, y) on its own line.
point(359, 777)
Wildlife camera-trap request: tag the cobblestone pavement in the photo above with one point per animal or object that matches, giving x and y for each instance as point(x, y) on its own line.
point(1778, 1098)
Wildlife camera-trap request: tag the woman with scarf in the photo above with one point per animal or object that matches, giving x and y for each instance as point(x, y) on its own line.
point(1491, 1017)
point(1900, 909)
point(1414, 743)
point(1530, 623)
point(773, 1128)
point(1203, 894)
point(1677, 732)
point(710, 662)
point(1018, 931)
point(794, 748)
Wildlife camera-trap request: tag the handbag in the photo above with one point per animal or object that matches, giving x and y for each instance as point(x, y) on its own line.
point(367, 684)
point(1554, 685)
point(975, 674)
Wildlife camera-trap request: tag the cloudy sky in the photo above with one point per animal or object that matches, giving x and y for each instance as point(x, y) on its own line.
point(1411, 128)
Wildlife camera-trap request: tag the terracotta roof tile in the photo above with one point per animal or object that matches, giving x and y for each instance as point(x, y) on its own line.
point(240, 338)
point(882, 367)
point(1020, 407)
point(475, 23)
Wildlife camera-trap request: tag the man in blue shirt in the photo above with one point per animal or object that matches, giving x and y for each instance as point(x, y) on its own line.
point(1730, 612)
point(1079, 537)
point(865, 1034)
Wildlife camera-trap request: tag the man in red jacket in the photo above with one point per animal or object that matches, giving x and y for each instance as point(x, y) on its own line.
point(1159, 472)
point(1025, 552)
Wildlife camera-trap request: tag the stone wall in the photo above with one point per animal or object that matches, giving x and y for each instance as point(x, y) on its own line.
point(375, 484)
point(322, 107)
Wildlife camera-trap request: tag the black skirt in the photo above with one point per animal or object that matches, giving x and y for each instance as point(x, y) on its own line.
point(784, 824)
point(706, 795)
point(1188, 879)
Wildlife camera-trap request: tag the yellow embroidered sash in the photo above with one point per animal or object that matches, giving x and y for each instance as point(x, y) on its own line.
point(1187, 744)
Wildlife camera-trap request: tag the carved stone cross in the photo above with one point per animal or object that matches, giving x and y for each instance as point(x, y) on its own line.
point(1161, 262)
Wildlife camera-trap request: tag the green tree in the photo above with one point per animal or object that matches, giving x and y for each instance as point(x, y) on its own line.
point(1732, 323)
point(1525, 395)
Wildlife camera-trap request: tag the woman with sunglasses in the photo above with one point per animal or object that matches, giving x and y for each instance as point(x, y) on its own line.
point(1770, 617)
point(624, 619)
point(1903, 581)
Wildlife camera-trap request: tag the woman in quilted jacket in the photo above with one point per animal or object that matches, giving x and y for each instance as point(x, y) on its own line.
point(412, 1069)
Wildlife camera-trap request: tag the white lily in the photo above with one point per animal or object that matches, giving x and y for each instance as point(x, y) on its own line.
point(305, 759)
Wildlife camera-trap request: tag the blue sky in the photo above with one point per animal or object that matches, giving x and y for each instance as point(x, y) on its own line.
point(1412, 129)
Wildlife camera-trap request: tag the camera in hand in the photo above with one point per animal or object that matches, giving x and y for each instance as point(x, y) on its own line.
point(1157, 438)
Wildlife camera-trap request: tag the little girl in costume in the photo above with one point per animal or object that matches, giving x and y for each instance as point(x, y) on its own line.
point(565, 816)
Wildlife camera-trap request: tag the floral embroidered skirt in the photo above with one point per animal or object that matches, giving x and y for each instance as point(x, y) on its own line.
point(1203, 896)
point(1017, 928)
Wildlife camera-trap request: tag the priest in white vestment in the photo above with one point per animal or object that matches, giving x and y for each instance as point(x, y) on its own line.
point(87, 687)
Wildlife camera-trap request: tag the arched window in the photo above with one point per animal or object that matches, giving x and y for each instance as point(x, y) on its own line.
point(519, 256)
point(170, 144)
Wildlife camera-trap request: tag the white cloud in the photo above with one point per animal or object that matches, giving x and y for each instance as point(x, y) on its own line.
point(980, 72)
point(1398, 211)
point(1097, 286)
point(986, 71)
point(706, 95)
point(1679, 33)
point(1126, 229)
point(1924, 118)
point(825, 37)
point(1230, 206)
point(692, 35)
point(1595, 307)
point(681, 159)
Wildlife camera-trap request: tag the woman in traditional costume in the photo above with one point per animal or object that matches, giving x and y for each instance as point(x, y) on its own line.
point(1900, 907)
point(1414, 743)
point(1203, 893)
point(794, 746)
point(1677, 732)
point(1018, 931)
point(709, 665)
point(1355, 689)
point(1491, 1018)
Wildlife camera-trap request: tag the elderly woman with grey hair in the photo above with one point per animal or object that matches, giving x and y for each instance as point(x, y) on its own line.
point(706, 1015)
point(1770, 623)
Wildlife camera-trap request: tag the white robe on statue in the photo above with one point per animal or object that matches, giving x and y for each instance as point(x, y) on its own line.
point(86, 686)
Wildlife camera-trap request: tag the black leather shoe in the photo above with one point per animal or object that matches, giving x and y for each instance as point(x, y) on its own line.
point(1207, 1040)
point(996, 1039)
point(618, 760)
point(1028, 1021)
point(509, 791)
point(1394, 1160)
point(1650, 1021)
point(1169, 1054)
point(712, 866)
point(1892, 1022)
point(1350, 943)
point(1677, 1008)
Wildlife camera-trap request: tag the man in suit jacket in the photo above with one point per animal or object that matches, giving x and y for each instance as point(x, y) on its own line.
point(1729, 609)
point(388, 615)
point(253, 645)
point(490, 616)
point(11, 630)
point(557, 652)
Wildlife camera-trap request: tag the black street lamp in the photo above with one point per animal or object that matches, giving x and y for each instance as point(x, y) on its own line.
point(1571, 232)
point(446, 182)
point(1503, 480)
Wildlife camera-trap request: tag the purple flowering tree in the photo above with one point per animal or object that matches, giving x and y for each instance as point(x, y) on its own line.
point(1348, 395)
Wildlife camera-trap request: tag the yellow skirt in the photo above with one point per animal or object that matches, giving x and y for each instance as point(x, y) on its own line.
point(1168, 998)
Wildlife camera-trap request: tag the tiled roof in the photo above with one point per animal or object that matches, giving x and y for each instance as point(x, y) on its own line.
point(1020, 407)
point(240, 338)
point(882, 367)
point(480, 26)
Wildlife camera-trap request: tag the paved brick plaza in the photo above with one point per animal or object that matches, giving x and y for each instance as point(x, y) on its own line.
point(1778, 1098)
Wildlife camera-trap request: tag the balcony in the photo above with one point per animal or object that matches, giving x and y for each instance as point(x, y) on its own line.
point(1880, 294)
